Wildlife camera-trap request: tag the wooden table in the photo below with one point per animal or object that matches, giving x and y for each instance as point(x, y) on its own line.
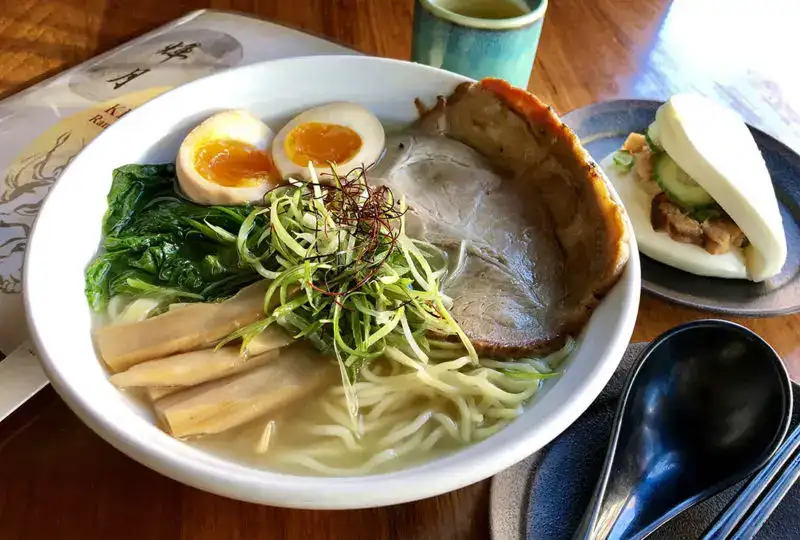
point(60, 481)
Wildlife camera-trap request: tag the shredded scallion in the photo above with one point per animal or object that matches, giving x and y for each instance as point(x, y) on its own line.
point(343, 271)
point(623, 159)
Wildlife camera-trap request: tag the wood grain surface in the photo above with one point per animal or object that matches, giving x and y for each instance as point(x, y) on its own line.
point(60, 481)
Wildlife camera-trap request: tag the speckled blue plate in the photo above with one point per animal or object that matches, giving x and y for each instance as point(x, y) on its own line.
point(602, 128)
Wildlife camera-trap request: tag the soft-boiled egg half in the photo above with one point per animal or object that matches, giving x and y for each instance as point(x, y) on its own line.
point(226, 160)
point(345, 134)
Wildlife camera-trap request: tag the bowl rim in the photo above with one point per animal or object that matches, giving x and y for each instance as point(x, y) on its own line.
point(243, 482)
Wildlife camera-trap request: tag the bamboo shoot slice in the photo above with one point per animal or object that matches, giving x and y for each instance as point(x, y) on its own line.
point(274, 337)
point(193, 327)
point(195, 367)
point(220, 405)
point(189, 369)
point(157, 392)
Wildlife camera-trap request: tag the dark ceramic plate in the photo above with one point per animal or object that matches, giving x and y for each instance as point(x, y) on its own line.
point(545, 496)
point(602, 128)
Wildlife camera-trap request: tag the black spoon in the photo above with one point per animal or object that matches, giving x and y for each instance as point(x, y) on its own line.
point(707, 404)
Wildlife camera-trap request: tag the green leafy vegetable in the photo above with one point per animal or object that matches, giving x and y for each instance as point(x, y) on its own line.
point(137, 287)
point(159, 244)
point(133, 187)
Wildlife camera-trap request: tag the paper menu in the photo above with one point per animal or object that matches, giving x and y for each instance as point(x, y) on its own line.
point(45, 126)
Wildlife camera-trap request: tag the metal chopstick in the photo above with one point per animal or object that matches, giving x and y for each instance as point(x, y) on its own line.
point(727, 522)
point(759, 515)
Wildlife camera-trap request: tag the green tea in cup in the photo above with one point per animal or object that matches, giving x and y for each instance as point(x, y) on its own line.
point(479, 38)
point(486, 9)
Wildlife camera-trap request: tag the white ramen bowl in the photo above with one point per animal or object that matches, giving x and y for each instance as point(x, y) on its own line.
point(68, 232)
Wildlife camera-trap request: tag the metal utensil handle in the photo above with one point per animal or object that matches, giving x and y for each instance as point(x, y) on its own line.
point(753, 522)
point(21, 377)
point(727, 522)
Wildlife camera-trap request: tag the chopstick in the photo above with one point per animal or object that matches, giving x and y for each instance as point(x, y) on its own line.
point(759, 515)
point(748, 511)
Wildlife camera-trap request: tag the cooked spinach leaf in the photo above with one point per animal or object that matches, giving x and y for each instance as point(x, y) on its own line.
point(156, 243)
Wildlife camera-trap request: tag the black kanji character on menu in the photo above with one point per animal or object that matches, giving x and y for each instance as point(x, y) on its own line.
point(177, 50)
point(122, 80)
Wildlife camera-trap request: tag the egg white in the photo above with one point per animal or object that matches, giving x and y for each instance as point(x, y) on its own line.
point(351, 115)
point(234, 125)
point(658, 245)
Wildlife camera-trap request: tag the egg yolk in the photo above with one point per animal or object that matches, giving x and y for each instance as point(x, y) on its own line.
point(233, 163)
point(320, 143)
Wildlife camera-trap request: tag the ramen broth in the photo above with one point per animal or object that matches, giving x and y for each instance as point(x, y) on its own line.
point(296, 436)
point(396, 426)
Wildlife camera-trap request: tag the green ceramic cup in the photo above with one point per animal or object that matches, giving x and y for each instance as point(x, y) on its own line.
point(477, 47)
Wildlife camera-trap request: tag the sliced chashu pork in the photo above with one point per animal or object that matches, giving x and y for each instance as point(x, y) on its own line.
point(509, 283)
point(493, 166)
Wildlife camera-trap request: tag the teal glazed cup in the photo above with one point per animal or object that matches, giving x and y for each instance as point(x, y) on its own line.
point(476, 47)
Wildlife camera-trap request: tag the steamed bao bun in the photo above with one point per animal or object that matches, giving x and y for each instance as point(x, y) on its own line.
point(714, 146)
point(346, 134)
point(225, 160)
